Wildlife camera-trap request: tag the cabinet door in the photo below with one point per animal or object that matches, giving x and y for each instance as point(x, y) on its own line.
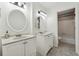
point(14, 49)
point(77, 28)
point(30, 48)
point(49, 40)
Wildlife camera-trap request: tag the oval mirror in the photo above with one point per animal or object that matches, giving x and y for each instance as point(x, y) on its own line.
point(16, 20)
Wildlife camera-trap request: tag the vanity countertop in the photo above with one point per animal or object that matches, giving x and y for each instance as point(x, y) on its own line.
point(16, 39)
point(46, 33)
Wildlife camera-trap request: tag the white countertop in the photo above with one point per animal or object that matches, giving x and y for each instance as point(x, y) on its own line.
point(15, 39)
point(46, 33)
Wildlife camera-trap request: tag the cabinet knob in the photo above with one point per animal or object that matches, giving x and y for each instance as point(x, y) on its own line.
point(25, 42)
point(48, 36)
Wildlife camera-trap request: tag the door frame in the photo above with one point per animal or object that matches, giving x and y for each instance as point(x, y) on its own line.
point(74, 25)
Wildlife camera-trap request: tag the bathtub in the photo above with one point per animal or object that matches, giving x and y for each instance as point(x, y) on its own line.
point(67, 39)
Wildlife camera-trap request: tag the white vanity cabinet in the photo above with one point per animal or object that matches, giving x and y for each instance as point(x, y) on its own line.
point(44, 43)
point(13, 49)
point(24, 47)
point(30, 48)
point(49, 40)
point(42, 46)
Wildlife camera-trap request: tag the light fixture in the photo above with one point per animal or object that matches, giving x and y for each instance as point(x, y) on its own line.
point(42, 14)
point(19, 4)
point(12, 2)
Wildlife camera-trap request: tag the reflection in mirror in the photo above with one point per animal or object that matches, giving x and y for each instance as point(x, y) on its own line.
point(41, 21)
point(19, 4)
point(38, 22)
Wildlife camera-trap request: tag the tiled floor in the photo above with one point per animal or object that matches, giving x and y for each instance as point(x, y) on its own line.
point(63, 50)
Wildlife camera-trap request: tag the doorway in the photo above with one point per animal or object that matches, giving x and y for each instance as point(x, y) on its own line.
point(66, 34)
point(66, 27)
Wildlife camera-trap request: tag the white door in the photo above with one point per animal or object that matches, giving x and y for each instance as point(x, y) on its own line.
point(30, 48)
point(77, 28)
point(14, 49)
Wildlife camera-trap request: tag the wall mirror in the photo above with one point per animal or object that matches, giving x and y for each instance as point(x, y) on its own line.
point(16, 20)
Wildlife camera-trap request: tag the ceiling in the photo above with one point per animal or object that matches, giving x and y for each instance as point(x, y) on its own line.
point(60, 6)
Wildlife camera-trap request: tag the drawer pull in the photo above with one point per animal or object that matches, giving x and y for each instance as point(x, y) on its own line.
point(25, 42)
point(48, 36)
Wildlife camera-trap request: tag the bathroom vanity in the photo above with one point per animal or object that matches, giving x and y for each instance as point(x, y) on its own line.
point(19, 46)
point(44, 43)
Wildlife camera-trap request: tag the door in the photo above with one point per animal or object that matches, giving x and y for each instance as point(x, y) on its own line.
point(14, 49)
point(77, 28)
point(30, 48)
point(67, 25)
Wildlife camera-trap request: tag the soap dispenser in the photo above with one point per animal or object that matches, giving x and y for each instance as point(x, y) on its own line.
point(6, 35)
